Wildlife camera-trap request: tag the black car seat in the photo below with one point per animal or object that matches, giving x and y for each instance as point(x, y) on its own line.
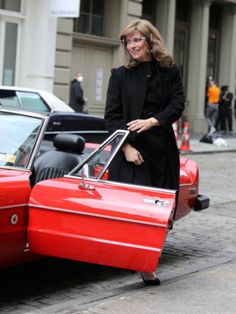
point(61, 160)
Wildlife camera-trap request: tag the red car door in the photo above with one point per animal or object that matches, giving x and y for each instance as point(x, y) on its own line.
point(14, 196)
point(101, 222)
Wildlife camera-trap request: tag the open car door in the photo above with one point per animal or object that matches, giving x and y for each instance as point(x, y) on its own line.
point(85, 217)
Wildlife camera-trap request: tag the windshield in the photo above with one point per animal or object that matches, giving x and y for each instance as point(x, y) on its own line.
point(19, 134)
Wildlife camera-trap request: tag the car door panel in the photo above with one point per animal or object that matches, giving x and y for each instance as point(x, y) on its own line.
point(100, 222)
point(14, 196)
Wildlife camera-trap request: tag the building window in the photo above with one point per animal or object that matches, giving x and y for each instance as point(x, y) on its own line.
point(180, 52)
point(90, 20)
point(149, 10)
point(9, 61)
point(215, 16)
point(10, 5)
point(182, 10)
point(212, 58)
point(213, 40)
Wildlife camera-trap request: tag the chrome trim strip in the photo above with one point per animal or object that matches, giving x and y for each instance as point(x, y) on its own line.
point(14, 168)
point(13, 206)
point(98, 215)
point(142, 187)
point(24, 113)
point(169, 191)
point(117, 243)
point(78, 132)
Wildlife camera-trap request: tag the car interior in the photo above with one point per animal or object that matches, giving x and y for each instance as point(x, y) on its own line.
point(59, 160)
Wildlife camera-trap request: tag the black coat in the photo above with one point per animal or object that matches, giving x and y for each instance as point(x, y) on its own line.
point(76, 100)
point(125, 99)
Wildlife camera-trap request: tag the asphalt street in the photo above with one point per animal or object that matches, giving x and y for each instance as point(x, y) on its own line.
point(197, 268)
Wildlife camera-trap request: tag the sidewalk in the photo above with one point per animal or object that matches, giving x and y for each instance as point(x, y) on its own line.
point(209, 291)
point(196, 147)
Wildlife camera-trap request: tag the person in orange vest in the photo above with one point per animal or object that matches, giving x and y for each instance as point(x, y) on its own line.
point(213, 94)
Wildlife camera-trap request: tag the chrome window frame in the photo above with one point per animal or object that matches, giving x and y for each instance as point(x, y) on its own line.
point(44, 122)
point(99, 149)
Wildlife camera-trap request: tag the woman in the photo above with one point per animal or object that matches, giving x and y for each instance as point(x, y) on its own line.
point(145, 96)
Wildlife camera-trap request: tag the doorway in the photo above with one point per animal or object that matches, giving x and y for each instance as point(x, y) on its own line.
point(9, 39)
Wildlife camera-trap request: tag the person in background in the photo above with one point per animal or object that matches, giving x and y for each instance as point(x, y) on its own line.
point(235, 106)
point(208, 83)
point(145, 96)
point(226, 114)
point(76, 99)
point(212, 109)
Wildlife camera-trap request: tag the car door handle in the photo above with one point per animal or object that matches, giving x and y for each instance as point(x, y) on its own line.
point(153, 201)
point(86, 186)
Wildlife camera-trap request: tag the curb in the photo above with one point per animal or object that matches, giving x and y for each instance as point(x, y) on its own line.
point(197, 147)
point(200, 152)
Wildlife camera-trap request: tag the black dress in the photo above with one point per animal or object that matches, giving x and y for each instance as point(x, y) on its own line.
point(152, 144)
point(143, 92)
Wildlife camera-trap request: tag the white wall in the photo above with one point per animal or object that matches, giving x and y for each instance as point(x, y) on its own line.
point(38, 46)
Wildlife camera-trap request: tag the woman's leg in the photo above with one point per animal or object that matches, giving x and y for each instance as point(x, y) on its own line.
point(150, 279)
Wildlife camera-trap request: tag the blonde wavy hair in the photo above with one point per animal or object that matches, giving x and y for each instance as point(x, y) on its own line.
point(156, 43)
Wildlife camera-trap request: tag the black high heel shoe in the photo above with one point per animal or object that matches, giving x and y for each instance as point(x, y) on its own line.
point(151, 282)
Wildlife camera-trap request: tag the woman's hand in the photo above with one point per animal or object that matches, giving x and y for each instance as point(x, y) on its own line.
point(141, 125)
point(132, 154)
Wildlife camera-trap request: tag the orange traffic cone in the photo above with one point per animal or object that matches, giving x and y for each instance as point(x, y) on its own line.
point(185, 144)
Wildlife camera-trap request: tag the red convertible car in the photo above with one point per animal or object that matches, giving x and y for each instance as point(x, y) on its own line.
point(56, 200)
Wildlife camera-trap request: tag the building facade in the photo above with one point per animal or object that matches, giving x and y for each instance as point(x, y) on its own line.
point(42, 51)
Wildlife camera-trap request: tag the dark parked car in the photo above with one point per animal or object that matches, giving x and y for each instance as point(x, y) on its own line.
point(91, 127)
point(62, 117)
